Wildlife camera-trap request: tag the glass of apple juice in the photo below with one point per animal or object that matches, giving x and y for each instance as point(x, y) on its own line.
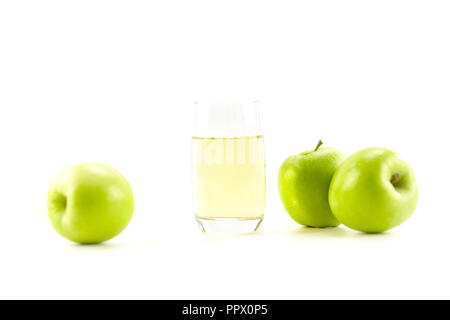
point(228, 167)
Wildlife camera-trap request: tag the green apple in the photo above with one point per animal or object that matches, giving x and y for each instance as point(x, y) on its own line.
point(90, 203)
point(373, 191)
point(303, 182)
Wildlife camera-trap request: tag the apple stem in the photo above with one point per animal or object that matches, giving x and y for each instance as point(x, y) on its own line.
point(318, 145)
point(395, 178)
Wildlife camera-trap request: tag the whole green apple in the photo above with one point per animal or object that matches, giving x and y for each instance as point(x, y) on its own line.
point(373, 191)
point(303, 182)
point(90, 203)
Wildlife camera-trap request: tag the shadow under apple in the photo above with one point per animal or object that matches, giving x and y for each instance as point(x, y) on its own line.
point(336, 232)
point(97, 246)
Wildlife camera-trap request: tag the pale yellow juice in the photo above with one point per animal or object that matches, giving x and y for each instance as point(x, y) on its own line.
point(229, 178)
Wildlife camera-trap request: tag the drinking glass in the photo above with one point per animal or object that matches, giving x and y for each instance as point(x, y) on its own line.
point(228, 166)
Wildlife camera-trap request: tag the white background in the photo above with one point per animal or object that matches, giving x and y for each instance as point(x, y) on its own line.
point(115, 82)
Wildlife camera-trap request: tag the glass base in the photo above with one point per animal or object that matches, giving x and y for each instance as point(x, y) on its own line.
point(228, 226)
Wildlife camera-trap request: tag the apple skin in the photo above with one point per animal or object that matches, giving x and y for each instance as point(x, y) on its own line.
point(303, 183)
point(373, 191)
point(90, 203)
